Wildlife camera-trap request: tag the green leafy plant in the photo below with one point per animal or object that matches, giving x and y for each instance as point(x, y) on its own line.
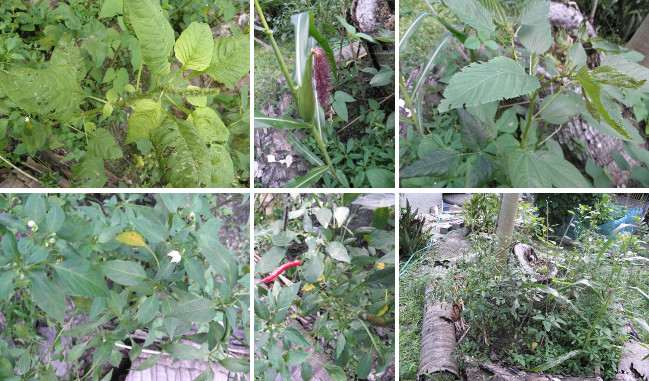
point(92, 272)
point(412, 236)
point(54, 104)
point(503, 140)
point(317, 72)
point(342, 283)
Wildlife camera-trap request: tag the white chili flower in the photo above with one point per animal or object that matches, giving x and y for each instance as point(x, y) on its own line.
point(31, 224)
point(192, 215)
point(175, 256)
point(26, 119)
point(319, 241)
point(52, 240)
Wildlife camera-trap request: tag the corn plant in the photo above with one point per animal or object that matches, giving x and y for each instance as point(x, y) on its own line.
point(502, 143)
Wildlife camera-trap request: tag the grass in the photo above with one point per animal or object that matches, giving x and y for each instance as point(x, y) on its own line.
point(267, 71)
point(429, 31)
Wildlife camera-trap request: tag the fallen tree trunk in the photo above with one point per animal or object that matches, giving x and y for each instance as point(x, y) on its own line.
point(437, 341)
point(494, 372)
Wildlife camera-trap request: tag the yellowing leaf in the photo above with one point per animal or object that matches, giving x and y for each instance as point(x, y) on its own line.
point(308, 287)
point(380, 266)
point(321, 278)
point(534, 345)
point(131, 239)
point(383, 311)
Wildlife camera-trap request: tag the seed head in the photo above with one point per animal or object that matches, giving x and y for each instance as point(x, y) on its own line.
point(321, 74)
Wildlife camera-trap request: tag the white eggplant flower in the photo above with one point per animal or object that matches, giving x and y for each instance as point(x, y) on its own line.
point(31, 224)
point(175, 256)
point(52, 240)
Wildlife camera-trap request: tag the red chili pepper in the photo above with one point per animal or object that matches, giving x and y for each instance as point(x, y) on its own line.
point(283, 267)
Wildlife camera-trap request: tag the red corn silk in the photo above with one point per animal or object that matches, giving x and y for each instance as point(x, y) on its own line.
point(321, 74)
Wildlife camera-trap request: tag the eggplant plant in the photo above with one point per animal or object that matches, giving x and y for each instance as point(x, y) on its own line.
point(510, 106)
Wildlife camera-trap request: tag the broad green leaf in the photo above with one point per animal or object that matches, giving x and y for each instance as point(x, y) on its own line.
point(296, 337)
point(296, 357)
point(536, 38)
point(90, 172)
point(127, 273)
point(301, 28)
point(562, 172)
point(472, 43)
point(281, 123)
point(54, 218)
point(235, 365)
point(535, 12)
point(284, 301)
point(275, 355)
point(599, 103)
point(182, 153)
point(338, 251)
point(222, 166)
point(148, 363)
point(474, 14)
point(270, 260)
point(620, 160)
point(364, 367)
point(131, 238)
point(199, 310)
point(633, 69)
point(576, 56)
point(35, 208)
point(323, 215)
point(527, 170)
point(610, 75)
point(637, 153)
point(384, 77)
point(231, 59)
point(146, 117)
point(194, 47)
point(479, 83)
point(306, 372)
point(67, 53)
point(81, 278)
point(154, 32)
point(11, 222)
point(209, 125)
point(312, 270)
point(182, 351)
point(102, 144)
point(154, 233)
point(335, 372)
point(560, 110)
point(51, 93)
point(380, 178)
point(437, 51)
point(110, 8)
point(303, 150)
point(6, 284)
point(309, 179)
point(641, 174)
point(479, 170)
point(220, 258)
point(412, 29)
point(598, 174)
point(148, 309)
point(438, 163)
point(474, 134)
point(47, 297)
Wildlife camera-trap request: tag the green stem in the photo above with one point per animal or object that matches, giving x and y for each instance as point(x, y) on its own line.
point(278, 54)
point(181, 7)
point(406, 97)
point(321, 145)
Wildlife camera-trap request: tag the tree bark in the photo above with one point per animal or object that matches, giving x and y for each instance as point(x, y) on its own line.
point(505, 223)
point(640, 41)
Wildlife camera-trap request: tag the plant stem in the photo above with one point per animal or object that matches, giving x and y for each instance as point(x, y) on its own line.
point(181, 7)
point(406, 97)
point(321, 145)
point(278, 54)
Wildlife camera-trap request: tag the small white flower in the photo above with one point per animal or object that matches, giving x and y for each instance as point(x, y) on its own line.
point(175, 256)
point(26, 119)
point(319, 241)
point(22, 276)
point(31, 224)
point(192, 215)
point(271, 158)
point(52, 240)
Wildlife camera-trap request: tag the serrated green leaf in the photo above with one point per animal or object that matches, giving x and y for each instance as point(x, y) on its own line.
point(527, 170)
point(599, 103)
point(497, 12)
point(52, 93)
point(209, 125)
point(102, 144)
point(535, 12)
point(194, 47)
point(479, 83)
point(81, 278)
point(474, 134)
point(67, 53)
point(479, 170)
point(438, 163)
point(474, 14)
point(536, 38)
point(154, 32)
point(127, 273)
point(90, 172)
point(633, 69)
point(231, 59)
point(182, 153)
point(612, 76)
point(146, 117)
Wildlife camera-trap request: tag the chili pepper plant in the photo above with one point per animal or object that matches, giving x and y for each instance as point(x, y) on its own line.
point(324, 294)
point(89, 283)
point(517, 86)
point(316, 75)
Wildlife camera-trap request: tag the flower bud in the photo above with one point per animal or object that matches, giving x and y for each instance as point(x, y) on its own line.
point(31, 224)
